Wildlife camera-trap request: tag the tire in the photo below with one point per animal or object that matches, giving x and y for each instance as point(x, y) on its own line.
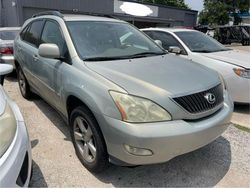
point(23, 84)
point(88, 140)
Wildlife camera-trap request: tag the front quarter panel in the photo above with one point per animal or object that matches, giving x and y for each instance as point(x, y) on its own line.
point(91, 88)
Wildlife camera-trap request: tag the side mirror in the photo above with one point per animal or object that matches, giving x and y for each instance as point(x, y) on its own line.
point(49, 50)
point(174, 49)
point(158, 42)
point(4, 69)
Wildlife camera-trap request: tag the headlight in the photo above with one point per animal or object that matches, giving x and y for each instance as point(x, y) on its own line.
point(138, 110)
point(7, 129)
point(223, 82)
point(244, 73)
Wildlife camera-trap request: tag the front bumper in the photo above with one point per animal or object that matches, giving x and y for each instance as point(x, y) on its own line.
point(239, 89)
point(165, 139)
point(8, 59)
point(16, 163)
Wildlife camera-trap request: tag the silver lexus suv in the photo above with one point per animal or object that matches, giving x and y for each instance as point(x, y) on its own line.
point(125, 99)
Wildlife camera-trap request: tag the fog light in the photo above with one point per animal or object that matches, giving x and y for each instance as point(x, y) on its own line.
point(138, 151)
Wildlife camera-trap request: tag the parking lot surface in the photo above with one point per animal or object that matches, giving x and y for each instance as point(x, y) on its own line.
point(239, 47)
point(224, 162)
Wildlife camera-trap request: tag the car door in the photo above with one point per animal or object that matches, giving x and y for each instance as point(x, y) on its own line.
point(167, 40)
point(49, 71)
point(27, 49)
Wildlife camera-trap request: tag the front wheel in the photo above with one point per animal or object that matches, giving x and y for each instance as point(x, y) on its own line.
point(23, 84)
point(88, 140)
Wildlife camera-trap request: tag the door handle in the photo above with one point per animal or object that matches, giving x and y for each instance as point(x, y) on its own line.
point(35, 57)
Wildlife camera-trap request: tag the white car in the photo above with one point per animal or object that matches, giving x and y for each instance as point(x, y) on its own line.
point(15, 148)
point(233, 65)
point(7, 36)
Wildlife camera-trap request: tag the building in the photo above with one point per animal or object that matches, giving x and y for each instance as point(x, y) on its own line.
point(15, 12)
point(245, 17)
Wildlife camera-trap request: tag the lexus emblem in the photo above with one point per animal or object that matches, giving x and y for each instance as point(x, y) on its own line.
point(210, 98)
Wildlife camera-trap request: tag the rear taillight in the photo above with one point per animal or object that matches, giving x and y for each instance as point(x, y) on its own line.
point(6, 50)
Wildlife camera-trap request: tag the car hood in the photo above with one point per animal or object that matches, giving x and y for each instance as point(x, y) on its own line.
point(157, 75)
point(2, 101)
point(235, 57)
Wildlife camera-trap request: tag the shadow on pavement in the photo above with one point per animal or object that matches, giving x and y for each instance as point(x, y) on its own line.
point(202, 168)
point(53, 116)
point(37, 176)
point(37, 179)
point(242, 108)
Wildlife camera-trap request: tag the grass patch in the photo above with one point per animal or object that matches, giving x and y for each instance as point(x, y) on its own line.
point(243, 128)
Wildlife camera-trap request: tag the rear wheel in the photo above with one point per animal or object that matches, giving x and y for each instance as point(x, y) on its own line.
point(23, 84)
point(88, 140)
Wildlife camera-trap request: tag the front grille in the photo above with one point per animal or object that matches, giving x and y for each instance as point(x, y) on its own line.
point(197, 103)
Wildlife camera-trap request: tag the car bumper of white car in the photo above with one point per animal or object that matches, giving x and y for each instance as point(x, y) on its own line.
point(16, 163)
point(8, 59)
point(239, 89)
point(164, 140)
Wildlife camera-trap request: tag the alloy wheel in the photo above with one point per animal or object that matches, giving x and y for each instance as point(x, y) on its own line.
point(22, 82)
point(84, 139)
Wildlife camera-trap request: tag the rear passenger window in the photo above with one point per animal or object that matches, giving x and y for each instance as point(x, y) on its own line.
point(52, 34)
point(32, 35)
point(23, 32)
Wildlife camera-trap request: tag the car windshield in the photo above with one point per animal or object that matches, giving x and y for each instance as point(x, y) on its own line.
point(199, 42)
point(8, 35)
point(100, 41)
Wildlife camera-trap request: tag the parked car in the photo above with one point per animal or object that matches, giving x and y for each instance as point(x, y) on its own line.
point(126, 100)
point(7, 36)
point(15, 149)
point(233, 65)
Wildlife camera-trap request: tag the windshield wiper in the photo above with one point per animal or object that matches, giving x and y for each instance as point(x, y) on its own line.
point(143, 54)
point(146, 54)
point(103, 58)
point(226, 49)
point(203, 51)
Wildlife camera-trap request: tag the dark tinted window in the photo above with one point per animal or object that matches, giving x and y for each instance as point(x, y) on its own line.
point(8, 35)
point(33, 34)
point(23, 32)
point(166, 39)
point(52, 34)
point(149, 33)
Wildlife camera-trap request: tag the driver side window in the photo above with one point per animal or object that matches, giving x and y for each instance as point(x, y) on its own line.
point(167, 40)
point(52, 34)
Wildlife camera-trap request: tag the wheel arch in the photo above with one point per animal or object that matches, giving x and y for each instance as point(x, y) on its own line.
point(73, 102)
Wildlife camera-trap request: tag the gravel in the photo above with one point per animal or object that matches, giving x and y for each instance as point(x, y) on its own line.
point(224, 162)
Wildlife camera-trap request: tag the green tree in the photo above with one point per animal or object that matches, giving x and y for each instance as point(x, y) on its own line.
point(237, 6)
point(216, 12)
point(173, 3)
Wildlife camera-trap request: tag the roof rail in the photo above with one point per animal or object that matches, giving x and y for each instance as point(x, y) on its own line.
point(61, 12)
point(54, 13)
point(87, 13)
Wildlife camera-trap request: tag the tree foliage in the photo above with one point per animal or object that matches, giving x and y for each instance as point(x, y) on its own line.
point(216, 12)
point(173, 3)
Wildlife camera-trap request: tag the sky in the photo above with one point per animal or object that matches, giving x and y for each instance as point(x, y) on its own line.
point(195, 4)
